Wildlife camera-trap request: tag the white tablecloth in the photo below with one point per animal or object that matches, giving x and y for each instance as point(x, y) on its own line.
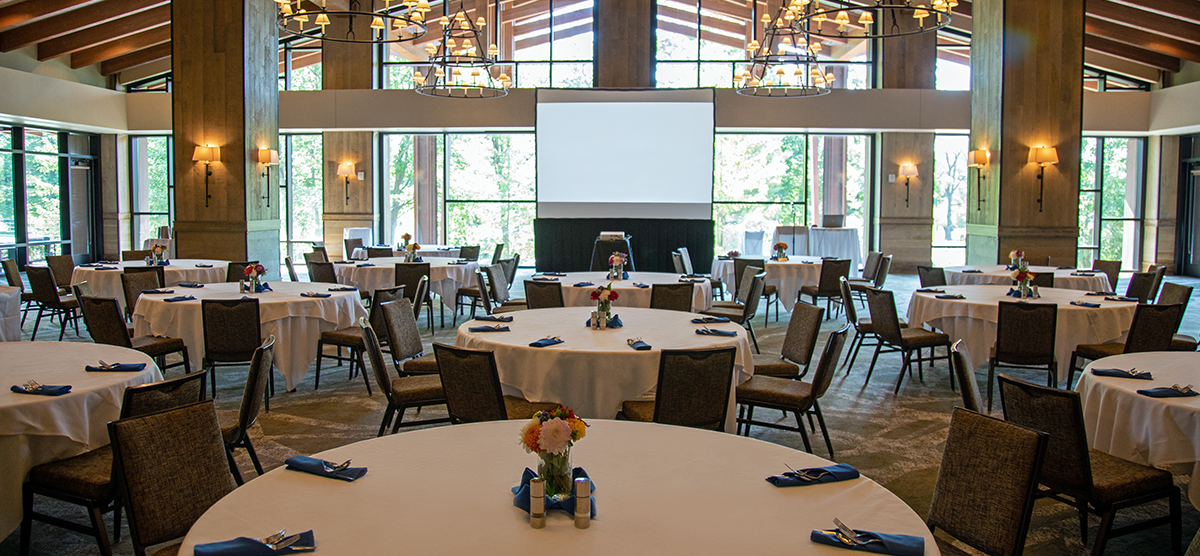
point(995, 274)
point(424, 251)
point(659, 490)
point(107, 283)
point(593, 371)
point(973, 319)
point(1162, 432)
point(40, 429)
point(842, 243)
point(296, 322)
point(150, 242)
point(628, 294)
point(444, 278)
point(10, 314)
point(787, 276)
point(795, 236)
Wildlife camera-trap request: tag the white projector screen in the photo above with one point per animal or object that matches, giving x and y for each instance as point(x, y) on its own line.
point(625, 154)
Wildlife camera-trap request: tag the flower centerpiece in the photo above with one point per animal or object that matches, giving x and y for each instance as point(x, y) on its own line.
point(1016, 258)
point(1023, 278)
point(604, 296)
point(254, 274)
point(616, 265)
point(160, 254)
point(733, 254)
point(410, 252)
point(780, 251)
point(550, 435)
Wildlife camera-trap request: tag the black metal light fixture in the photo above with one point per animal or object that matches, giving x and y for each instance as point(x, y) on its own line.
point(979, 159)
point(1042, 156)
point(346, 169)
point(908, 171)
point(206, 154)
point(867, 20)
point(459, 65)
point(784, 64)
point(268, 158)
point(400, 23)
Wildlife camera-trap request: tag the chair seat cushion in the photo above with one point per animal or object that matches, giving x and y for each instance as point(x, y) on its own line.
point(773, 365)
point(88, 475)
point(521, 408)
point(727, 305)
point(1183, 342)
point(27, 296)
point(919, 337)
point(468, 292)
point(770, 390)
point(348, 337)
point(734, 315)
point(155, 346)
point(814, 291)
point(173, 550)
point(1100, 351)
point(423, 365)
point(638, 410)
point(514, 303)
point(1115, 479)
point(768, 291)
point(420, 388)
point(508, 309)
point(230, 432)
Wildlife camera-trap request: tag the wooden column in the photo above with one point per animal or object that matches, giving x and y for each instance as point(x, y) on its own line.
point(624, 45)
point(425, 180)
point(1026, 92)
point(347, 66)
point(225, 93)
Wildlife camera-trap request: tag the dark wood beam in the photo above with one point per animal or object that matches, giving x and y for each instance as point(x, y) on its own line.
point(1147, 21)
point(1142, 39)
point(98, 34)
point(71, 21)
point(31, 10)
point(1186, 9)
point(1133, 54)
point(119, 47)
point(135, 59)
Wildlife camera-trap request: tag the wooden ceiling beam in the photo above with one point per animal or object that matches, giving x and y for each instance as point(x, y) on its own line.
point(120, 47)
point(1147, 21)
point(1186, 9)
point(135, 59)
point(31, 10)
point(1132, 53)
point(71, 21)
point(1142, 39)
point(98, 34)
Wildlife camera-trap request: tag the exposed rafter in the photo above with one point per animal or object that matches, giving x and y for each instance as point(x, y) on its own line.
point(98, 34)
point(1146, 21)
point(32, 10)
point(1185, 9)
point(135, 59)
point(72, 20)
point(1142, 39)
point(1131, 53)
point(119, 47)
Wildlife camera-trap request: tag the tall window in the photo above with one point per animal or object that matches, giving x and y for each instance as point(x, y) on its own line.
point(542, 43)
point(953, 67)
point(299, 64)
point(408, 159)
point(490, 191)
point(1112, 177)
point(301, 196)
point(950, 199)
point(152, 185)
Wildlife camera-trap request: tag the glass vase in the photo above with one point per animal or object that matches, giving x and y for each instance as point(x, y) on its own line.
point(555, 469)
point(1025, 293)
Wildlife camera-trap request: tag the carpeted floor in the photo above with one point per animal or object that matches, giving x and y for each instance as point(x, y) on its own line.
point(895, 440)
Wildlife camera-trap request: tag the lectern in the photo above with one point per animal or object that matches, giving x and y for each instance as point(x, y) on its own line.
point(605, 245)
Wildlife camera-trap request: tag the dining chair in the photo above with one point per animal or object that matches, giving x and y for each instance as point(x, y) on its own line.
point(136, 254)
point(319, 250)
point(237, 434)
point(483, 283)
point(1152, 329)
point(469, 252)
point(869, 270)
point(796, 396)
point(1090, 480)
point(352, 339)
point(236, 271)
point(63, 269)
point(744, 315)
point(380, 252)
point(462, 294)
point(672, 297)
point(497, 253)
point(134, 283)
point(87, 479)
point(717, 285)
point(291, 269)
point(45, 293)
point(102, 317)
point(321, 273)
point(742, 290)
point(1025, 338)
point(799, 344)
point(1042, 280)
point(769, 292)
point(544, 295)
point(864, 329)
point(1112, 269)
point(931, 276)
point(986, 484)
point(677, 260)
point(886, 323)
point(1159, 271)
point(404, 339)
point(156, 270)
point(171, 469)
point(350, 245)
point(471, 382)
point(422, 291)
point(692, 390)
point(510, 268)
point(316, 257)
point(827, 287)
point(1171, 294)
point(967, 385)
point(407, 275)
point(231, 334)
point(13, 274)
point(498, 285)
point(882, 269)
point(403, 392)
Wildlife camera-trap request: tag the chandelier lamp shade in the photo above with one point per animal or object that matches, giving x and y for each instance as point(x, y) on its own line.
point(871, 20)
point(379, 21)
point(784, 64)
point(460, 66)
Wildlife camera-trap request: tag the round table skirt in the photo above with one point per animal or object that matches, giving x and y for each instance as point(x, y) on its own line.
point(444, 278)
point(787, 276)
point(996, 274)
point(107, 283)
point(10, 314)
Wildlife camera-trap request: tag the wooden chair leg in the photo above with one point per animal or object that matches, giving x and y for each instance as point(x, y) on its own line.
point(97, 515)
point(1106, 522)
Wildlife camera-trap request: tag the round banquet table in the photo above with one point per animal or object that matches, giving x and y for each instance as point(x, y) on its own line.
point(659, 490)
point(296, 322)
point(1088, 280)
point(444, 278)
point(842, 243)
point(1162, 432)
point(593, 371)
point(629, 294)
point(10, 314)
point(39, 429)
point(787, 276)
point(107, 283)
point(973, 320)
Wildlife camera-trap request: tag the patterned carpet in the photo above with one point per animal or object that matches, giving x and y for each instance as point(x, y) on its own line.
point(895, 440)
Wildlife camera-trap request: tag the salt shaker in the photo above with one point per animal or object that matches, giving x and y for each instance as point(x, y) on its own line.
point(602, 319)
point(1036, 295)
point(583, 503)
point(537, 503)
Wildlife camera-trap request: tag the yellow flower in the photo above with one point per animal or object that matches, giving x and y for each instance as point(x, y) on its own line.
point(578, 428)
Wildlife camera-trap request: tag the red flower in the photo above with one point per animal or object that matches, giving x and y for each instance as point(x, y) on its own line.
point(595, 295)
point(612, 296)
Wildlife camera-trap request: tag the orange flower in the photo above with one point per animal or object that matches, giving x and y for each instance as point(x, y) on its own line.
point(529, 435)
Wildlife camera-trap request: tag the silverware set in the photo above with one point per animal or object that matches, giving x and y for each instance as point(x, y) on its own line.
point(280, 541)
point(804, 475)
point(31, 385)
point(330, 467)
point(632, 341)
point(1187, 389)
point(847, 535)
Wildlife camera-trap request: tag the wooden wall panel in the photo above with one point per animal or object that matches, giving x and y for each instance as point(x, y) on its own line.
point(345, 65)
point(624, 51)
point(906, 232)
point(358, 209)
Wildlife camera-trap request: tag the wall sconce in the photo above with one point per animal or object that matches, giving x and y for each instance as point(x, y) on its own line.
point(1042, 156)
point(346, 169)
point(206, 154)
point(908, 171)
point(268, 158)
point(979, 159)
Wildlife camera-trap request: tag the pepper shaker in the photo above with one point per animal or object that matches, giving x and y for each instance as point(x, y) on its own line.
point(583, 503)
point(537, 503)
point(595, 323)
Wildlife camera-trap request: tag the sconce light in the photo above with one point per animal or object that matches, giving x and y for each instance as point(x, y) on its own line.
point(908, 171)
point(1042, 156)
point(206, 154)
point(346, 169)
point(979, 159)
point(268, 158)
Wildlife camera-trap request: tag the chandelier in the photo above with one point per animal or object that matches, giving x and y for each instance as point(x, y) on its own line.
point(785, 63)
point(376, 27)
point(459, 67)
point(870, 21)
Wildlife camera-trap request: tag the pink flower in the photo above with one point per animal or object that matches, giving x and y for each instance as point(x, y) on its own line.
point(555, 436)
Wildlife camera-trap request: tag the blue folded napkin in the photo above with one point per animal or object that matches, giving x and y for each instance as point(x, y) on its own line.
point(246, 546)
point(117, 368)
point(317, 467)
point(931, 290)
point(724, 258)
point(692, 280)
point(951, 296)
point(710, 320)
point(828, 258)
point(158, 292)
point(314, 294)
point(1164, 392)
point(456, 262)
point(1120, 373)
point(554, 274)
point(163, 263)
point(491, 318)
point(973, 271)
point(179, 298)
point(583, 284)
point(363, 265)
point(418, 260)
point(545, 342)
point(1011, 267)
point(624, 275)
point(446, 248)
point(1082, 274)
point(107, 262)
point(814, 475)
point(521, 493)
point(1066, 268)
point(488, 329)
point(544, 279)
point(614, 322)
point(639, 345)
point(878, 543)
point(89, 265)
point(204, 266)
point(43, 390)
point(807, 262)
point(1014, 292)
point(1121, 298)
point(190, 285)
point(108, 268)
point(343, 289)
point(1085, 304)
point(1100, 293)
point(715, 332)
point(640, 285)
point(343, 262)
